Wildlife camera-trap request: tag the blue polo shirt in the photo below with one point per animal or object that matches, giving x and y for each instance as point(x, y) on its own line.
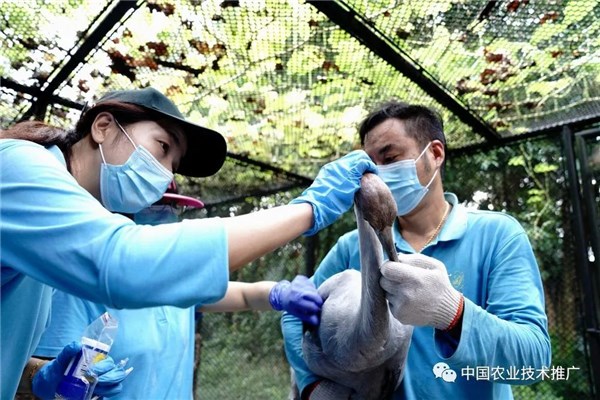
point(490, 260)
point(53, 232)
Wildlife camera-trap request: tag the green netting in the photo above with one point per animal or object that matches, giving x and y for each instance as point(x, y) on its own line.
point(520, 65)
point(283, 84)
point(36, 36)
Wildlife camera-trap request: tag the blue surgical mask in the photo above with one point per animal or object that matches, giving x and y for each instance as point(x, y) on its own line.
point(401, 177)
point(135, 185)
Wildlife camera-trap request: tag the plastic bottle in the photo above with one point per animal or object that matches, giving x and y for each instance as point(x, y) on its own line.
point(78, 382)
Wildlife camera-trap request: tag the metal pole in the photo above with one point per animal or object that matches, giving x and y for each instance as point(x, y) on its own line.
point(582, 262)
point(593, 241)
point(310, 256)
point(120, 9)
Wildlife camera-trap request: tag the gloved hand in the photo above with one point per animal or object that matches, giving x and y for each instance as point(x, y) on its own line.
point(45, 381)
point(300, 298)
point(332, 192)
point(420, 293)
point(109, 377)
point(329, 390)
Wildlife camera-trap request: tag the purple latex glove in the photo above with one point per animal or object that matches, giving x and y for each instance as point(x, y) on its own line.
point(299, 298)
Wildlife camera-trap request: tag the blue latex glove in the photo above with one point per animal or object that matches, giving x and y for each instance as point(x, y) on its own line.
point(46, 380)
point(332, 192)
point(300, 298)
point(110, 376)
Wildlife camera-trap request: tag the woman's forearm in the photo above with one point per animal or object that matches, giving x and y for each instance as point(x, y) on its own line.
point(243, 296)
point(253, 235)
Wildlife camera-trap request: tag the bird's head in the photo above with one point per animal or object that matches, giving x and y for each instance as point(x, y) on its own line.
point(376, 203)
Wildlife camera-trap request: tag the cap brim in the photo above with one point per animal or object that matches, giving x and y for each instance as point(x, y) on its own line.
point(206, 150)
point(181, 200)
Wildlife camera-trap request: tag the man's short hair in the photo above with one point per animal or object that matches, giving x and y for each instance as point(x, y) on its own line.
point(422, 123)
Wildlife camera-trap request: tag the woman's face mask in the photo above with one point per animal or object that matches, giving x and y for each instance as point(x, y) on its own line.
point(135, 185)
point(402, 179)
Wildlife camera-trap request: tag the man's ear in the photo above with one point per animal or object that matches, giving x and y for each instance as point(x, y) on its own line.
point(439, 152)
point(101, 127)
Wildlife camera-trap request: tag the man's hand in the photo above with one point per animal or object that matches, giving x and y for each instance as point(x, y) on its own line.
point(420, 293)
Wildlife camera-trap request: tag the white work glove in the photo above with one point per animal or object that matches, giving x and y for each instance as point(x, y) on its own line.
point(329, 390)
point(420, 293)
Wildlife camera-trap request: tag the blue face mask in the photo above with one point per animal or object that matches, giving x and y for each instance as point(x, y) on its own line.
point(401, 177)
point(135, 185)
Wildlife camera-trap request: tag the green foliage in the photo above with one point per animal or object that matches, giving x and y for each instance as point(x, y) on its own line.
point(567, 353)
point(527, 181)
point(531, 189)
point(534, 392)
point(228, 370)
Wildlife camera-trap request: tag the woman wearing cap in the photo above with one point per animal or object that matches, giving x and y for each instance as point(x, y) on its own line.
point(59, 190)
point(159, 341)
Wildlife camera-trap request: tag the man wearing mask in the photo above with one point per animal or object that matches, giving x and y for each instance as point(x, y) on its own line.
point(467, 279)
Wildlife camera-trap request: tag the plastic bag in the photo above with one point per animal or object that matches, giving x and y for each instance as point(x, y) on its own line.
point(79, 381)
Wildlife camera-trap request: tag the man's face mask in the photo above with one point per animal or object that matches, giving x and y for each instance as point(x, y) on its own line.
point(135, 185)
point(401, 177)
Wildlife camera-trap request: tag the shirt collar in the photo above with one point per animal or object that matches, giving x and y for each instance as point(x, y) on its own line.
point(456, 224)
point(454, 228)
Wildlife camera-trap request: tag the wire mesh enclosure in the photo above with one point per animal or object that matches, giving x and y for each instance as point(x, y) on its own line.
point(286, 82)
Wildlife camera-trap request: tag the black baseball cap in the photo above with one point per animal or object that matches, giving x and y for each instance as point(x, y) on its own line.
point(207, 149)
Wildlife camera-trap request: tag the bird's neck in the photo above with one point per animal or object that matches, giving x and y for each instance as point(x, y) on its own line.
point(374, 314)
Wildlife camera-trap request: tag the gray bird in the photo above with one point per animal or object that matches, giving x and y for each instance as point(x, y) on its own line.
point(359, 344)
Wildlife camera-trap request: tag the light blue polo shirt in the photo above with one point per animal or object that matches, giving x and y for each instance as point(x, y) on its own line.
point(490, 260)
point(53, 232)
